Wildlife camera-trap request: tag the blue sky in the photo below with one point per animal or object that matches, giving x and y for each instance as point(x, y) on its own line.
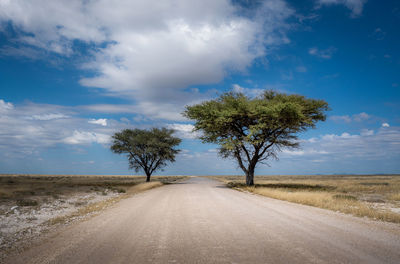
point(74, 72)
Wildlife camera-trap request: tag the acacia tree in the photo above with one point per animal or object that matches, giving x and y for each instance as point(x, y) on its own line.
point(254, 130)
point(149, 150)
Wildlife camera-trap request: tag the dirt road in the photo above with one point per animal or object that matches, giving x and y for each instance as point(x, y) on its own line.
point(200, 221)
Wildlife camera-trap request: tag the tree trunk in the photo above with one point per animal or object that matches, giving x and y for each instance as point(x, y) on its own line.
point(250, 177)
point(148, 177)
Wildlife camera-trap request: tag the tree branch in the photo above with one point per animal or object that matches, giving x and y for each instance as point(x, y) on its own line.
point(246, 152)
point(239, 158)
point(155, 166)
point(266, 147)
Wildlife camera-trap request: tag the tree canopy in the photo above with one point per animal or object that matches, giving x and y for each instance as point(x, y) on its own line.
point(149, 150)
point(252, 130)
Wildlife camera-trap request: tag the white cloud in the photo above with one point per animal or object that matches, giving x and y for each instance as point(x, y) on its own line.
point(166, 111)
point(367, 132)
point(385, 125)
point(343, 118)
point(333, 137)
point(5, 106)
point(356, 6)
point(85, 137)
point(150, 52)
point(47, 126)
point(354, 118)
point(46, 117)
point(361, 117)
point(304, 152)
point(101, 121)
point(247, 91)
point(293, 152)
point(25, 52)
point(184, 130)
point(322, 53)
point(368, 145)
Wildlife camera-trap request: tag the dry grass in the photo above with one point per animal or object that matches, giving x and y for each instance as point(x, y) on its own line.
point(38, 187)
point(374, 196)
point(34, 190)
point(395, 197)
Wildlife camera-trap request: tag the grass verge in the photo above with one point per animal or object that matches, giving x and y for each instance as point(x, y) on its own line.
point(375, 197)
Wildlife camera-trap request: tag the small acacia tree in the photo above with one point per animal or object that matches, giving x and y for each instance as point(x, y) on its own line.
point(253, 130)
point(149, 150)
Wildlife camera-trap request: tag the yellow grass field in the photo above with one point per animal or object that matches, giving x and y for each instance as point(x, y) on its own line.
point(373, 196)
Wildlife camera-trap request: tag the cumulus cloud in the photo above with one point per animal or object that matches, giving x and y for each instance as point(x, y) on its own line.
point(254, 92)
point(184, 130)
point(344, 135)
point(151, 52)
point(322, 53)
point(361, 117)
point(101, 121)
point(47, 117)
point(29, 127)
point(343, 118)
point(24, 52)
point(166, 111)
point(354, 118)
point(85, 137)
point(369, 144)
point(304, 152)
point(5, 106)
point(356, 6)
point(367, 132)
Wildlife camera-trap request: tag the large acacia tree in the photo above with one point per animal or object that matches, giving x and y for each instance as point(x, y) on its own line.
point(149, 150)
point(252, 130)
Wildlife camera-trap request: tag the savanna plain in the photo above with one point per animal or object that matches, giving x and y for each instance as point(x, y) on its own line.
point(33, 206)
point(372, 196)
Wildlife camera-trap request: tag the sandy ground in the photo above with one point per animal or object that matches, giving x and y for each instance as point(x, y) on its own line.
point(201, 221)
point(21, 223)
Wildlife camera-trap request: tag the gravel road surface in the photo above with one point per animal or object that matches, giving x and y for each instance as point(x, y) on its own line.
point(201, 221)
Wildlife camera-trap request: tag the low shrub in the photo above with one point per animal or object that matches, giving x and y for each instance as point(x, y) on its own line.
point(27, 202)
point(345, 197)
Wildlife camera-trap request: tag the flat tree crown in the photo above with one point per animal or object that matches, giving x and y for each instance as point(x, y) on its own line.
point(146, 149)
point(253, 129)
point(235, 117)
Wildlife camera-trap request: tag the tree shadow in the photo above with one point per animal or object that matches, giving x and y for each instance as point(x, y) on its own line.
point(169, 183)
point(291, 186)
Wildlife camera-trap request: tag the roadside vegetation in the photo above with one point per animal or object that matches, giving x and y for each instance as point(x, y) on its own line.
point(33, 190)
point(373, 196)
